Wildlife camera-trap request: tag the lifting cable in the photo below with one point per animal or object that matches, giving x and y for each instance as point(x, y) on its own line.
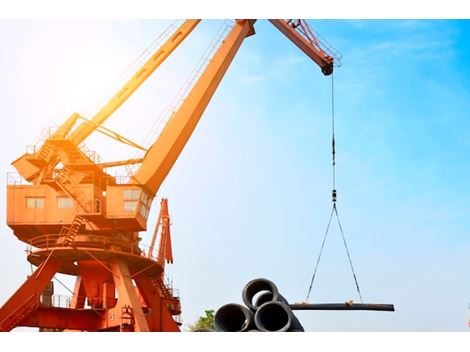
point(334, 210)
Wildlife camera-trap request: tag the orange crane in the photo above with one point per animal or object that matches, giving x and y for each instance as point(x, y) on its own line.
point(81, 221)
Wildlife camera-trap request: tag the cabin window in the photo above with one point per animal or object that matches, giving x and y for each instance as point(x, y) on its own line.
point(64, 202)
point(145, 205)
point(35, 202)
point(131, 197)
point(144, 211)
point(130, 206)
point(145, 199)
point(131, 194)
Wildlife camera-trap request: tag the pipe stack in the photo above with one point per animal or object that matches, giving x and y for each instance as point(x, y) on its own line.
point(265, 310)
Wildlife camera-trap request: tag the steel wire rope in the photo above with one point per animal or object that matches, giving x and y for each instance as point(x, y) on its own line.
point(334, 209)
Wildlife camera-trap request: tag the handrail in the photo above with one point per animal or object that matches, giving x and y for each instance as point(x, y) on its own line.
point(103, 242)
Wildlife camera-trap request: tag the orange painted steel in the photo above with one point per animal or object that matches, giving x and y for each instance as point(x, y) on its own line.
point(165, 252)
point(79, 220)
point(306, 42)
point(163, 153)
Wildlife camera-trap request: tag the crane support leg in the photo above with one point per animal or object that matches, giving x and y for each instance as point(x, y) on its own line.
point(160, 319)
point(127, 295)
point(27, 298)
point(78, 298)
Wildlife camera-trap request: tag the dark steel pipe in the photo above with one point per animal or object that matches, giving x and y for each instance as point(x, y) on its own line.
point(233, 317)
point(343, 306)
point(263, 298)
point(203, 330)
point(259, 286)
point(268, 297)
point(276, 316)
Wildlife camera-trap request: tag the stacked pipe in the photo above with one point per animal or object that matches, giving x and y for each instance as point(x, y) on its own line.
point(265, 310)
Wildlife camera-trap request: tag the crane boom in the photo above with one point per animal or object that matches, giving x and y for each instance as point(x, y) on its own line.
point(161, 156)
point(84, 130)
point(306, 42)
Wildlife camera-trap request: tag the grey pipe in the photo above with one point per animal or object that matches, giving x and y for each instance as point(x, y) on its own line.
point(233, 317)
point(257, 286)
point(276, 316)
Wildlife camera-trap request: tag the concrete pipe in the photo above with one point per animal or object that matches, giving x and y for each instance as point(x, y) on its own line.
point(261, 287)
point(233, 317)
point(276, 316)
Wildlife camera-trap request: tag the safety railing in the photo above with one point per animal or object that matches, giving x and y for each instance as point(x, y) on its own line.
point(91, 154)
point(316, 40)
point(45, 134)
point(56, 301)
point(122, 179)
point(15, 179)
point(61, 301)
point(102, 242)
point(169, 285)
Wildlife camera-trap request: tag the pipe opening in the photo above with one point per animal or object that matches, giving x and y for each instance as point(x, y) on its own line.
point(256, 289)
point(232, 318)
point(273, 317)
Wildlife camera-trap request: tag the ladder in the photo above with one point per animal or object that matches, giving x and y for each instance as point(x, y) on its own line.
point(68, 182)
point(68, 232)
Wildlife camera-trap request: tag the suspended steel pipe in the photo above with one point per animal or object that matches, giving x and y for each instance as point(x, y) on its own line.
point(343, 306)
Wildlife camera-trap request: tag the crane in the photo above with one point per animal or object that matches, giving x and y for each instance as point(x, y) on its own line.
point(79, 220)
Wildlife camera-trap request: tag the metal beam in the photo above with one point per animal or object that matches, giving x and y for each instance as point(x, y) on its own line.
point(64, 318)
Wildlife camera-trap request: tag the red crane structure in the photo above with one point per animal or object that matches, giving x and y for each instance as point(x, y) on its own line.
point(80, 220)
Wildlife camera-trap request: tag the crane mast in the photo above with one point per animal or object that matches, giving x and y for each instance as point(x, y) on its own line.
point(79, 220)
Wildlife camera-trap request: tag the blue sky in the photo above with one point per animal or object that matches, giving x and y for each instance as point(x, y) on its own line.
point(250, 194)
